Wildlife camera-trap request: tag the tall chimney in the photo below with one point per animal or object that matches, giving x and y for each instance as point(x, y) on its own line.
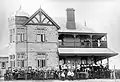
point(70, 19)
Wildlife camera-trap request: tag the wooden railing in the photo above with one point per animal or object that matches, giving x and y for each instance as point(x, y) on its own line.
point(102, 44)
point(82, 45)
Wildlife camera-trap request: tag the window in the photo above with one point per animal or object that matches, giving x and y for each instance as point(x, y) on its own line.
point(13, 63)
point(18, 63)
point(22, 63)
point(13, 30)
point(10, 38)
point(13, 38)
point(41, 63)
point(10, 56)
point(38, 63)
point(10, 63)
point(20, 55)
point(40, 37)
point(21, 37)
point(3, 65)
point(24, 36)
point(13, 56)
point(18, 37)
point(10, 35)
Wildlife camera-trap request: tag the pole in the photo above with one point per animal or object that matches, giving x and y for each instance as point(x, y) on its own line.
point(108, 63)
point(114, 74)
point(74, 40)
point(91, 44)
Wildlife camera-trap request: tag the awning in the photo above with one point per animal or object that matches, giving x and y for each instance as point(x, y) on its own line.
point(86, 52)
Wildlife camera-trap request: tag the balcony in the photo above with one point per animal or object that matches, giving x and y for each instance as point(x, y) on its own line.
point(102, 44)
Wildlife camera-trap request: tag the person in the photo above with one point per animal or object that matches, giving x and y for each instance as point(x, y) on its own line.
point(63, 75)
point(32, 74)
point(73, 66)
point(65, 67)
point(6, 75)
point(69, 74)
point(60, 67)
point(59, 74)
point(72, 75)
point(55, 74)
point(78, 71)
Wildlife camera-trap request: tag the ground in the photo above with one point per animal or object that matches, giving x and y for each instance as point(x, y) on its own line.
point(88, 80)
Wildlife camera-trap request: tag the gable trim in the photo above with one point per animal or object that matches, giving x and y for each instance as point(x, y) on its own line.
point(40, 11)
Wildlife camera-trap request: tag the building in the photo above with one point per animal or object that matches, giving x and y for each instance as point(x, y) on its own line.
point(40, 42)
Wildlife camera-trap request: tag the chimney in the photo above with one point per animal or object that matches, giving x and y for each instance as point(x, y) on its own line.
point(70, 19)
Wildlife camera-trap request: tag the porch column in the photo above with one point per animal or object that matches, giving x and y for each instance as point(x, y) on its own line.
point(74, 39)
point(108, 63)
point(106, 39)
point(91, 44)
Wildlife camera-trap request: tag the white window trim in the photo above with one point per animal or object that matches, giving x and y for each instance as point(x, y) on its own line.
point(21, 38)
point(41, 62)
point(42, 37)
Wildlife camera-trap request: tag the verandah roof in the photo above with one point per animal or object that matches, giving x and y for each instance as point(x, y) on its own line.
point(86, 52)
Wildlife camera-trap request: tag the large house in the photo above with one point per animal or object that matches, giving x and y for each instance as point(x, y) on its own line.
point(40, 42)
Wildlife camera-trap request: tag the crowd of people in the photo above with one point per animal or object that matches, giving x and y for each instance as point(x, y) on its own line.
point(64, 72)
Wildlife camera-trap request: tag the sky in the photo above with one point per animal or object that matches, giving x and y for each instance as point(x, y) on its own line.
point(100, 15)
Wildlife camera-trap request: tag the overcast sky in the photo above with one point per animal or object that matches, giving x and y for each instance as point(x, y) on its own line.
point(101, 15)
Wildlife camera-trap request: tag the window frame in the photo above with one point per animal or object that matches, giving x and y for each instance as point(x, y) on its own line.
point(22, 37)
point(41, 63)
point(3, 66)
point(41, 32)
point(42, 37)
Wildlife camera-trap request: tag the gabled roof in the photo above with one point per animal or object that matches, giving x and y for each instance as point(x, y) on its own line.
point(41, 18)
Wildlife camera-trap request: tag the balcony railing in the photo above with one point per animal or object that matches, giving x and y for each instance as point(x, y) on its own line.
point(83, 45)
point(102, 44)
